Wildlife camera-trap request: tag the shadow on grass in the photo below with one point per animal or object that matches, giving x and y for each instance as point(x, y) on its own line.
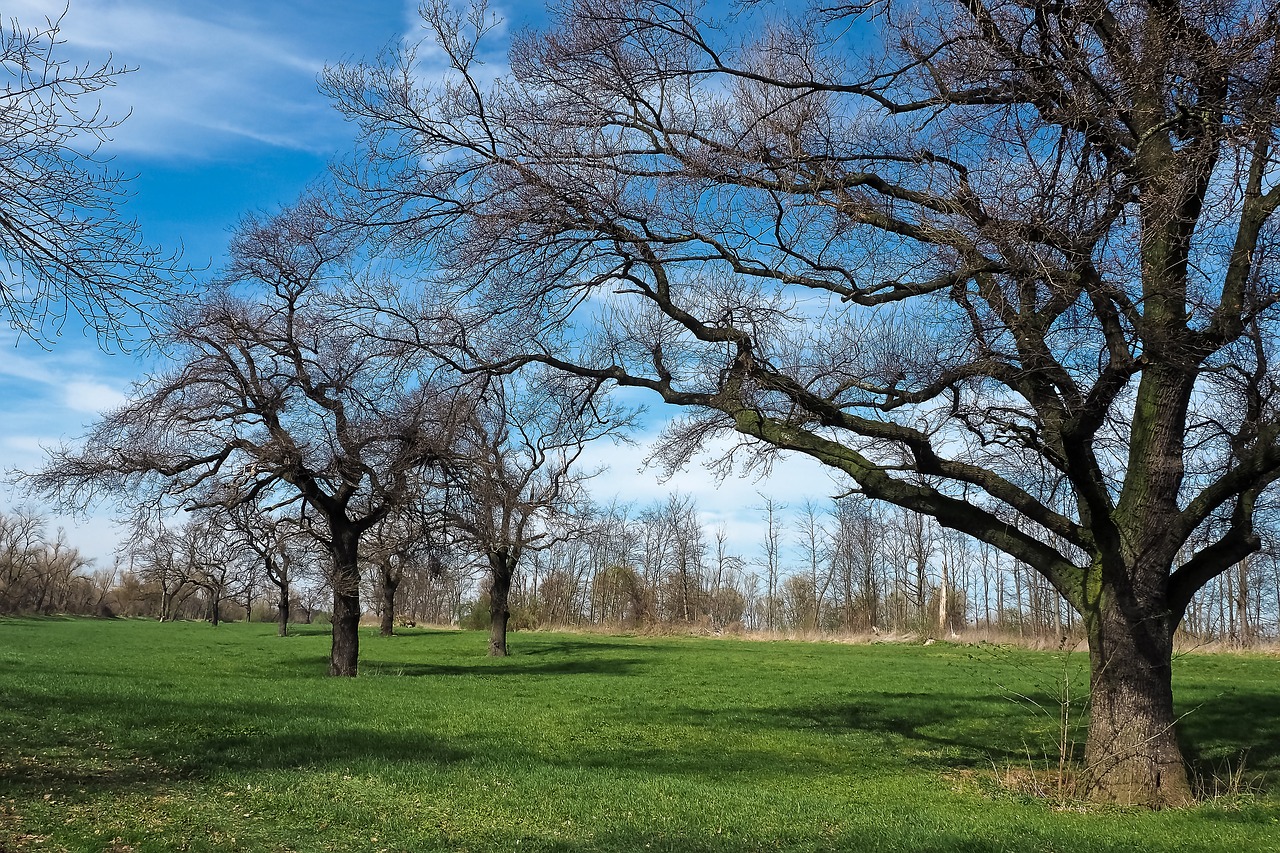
point(145, 744)
point(1217, 735)
point(872, 732)
point(502, 667)
point(947, 730)
point(532, 645)
point(33, 620)
point(1238, 725)
point(925, 839)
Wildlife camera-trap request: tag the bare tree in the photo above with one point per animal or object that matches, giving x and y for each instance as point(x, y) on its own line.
point(727, 603)
point(771, 554)
point(813, 540)
point(409, 538)
point(65, 246)
point(273, 396)
point(217, 564)
point(1015, 271)
point(38, 574)
point(59, 567)
point(515, 466)
point(280, 539)
point(151, 552)
point(21, 541)
point(857, 559)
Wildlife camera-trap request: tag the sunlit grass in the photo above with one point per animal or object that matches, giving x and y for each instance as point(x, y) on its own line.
point(135, 735)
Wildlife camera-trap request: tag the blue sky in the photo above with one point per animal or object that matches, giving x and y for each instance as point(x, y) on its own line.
point(224, 117)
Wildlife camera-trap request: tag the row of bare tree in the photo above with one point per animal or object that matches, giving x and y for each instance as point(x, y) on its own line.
point(847, 567)
point(298, 415)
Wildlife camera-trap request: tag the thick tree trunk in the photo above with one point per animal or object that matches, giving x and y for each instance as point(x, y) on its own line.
point(345, 649)
point(499, 598)
point(1132, 755)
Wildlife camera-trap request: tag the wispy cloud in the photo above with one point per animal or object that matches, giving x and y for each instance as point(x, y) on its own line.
point(15, 366)
point(207, 75)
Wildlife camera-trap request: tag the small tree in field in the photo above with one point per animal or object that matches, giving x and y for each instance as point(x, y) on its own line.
point(281, 543)
point(515, 474)
point(407, 541)
point(1009, 265)
point(216, 564)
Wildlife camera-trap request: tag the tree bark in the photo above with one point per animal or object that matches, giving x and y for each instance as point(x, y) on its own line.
point(502, 565)
point(390, 582)
point(345, 649)
point(1132, 756)
point(282, 611)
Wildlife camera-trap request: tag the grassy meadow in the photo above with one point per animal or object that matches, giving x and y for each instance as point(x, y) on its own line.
point(138, 736)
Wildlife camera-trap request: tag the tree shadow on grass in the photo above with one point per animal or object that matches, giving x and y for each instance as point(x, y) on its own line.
point(303, 630)
point(502, 667)
point(165, 739)
point(33, 620)
point(532, 645)
point(1238, 726)
point(924, 839)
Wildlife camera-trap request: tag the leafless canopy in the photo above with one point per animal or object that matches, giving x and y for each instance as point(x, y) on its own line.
point(272, 393)
point(1009, 264)
point(65, 245)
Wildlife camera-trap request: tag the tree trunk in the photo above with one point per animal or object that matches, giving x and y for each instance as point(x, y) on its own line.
point(943, 627)
point(1132, 755)
point(1244, 632)
point(345, 650)
point(282, 611)
point(503, 566)
point(390, 582)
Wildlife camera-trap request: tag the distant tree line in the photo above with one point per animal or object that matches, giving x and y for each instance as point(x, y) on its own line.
point(44, 574)
point(844, 567)
point(847, 566)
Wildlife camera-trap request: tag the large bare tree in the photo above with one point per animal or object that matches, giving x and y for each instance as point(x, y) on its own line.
point(273, 395)
point(1007, 264)
point(65, 244)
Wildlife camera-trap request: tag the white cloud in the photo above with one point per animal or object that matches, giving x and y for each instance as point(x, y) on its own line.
point(90, 396)
point(31, 446)
point(15, 366)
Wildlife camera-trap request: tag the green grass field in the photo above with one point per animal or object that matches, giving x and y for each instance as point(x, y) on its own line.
point(130, 735)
